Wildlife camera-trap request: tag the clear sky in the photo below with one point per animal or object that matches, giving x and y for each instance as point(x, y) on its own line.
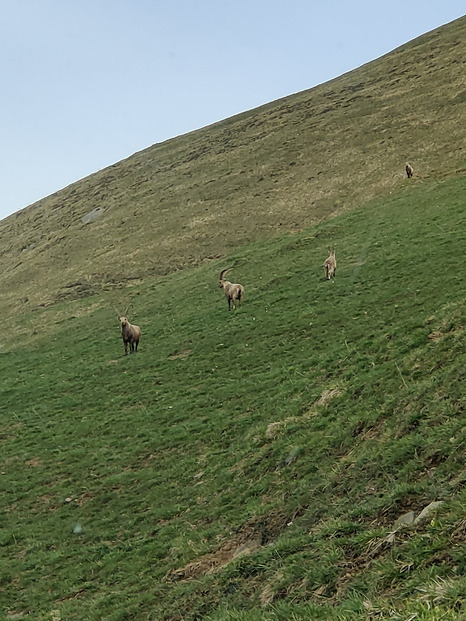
point(86, 83)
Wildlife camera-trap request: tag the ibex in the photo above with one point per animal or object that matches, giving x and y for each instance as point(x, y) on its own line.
point(129, 333)
point(233, 292)
point(330, 265)
point(409, 170)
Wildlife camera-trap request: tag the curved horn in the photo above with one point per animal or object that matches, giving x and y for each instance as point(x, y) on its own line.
point(116, 310)
point(127, 308)
point(223, 272)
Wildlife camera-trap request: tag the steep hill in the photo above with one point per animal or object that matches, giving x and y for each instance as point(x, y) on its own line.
point(278, 168)
point(300, 458)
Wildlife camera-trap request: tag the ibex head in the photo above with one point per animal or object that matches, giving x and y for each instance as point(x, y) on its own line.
point(122, 318)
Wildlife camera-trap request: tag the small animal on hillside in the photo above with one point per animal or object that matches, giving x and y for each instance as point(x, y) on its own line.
point(330, 265)
point(129, 332)
point(233, 291)
point(409, 170)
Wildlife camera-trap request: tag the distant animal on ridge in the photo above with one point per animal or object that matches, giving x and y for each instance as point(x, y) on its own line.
point(233, 291)
point(129, 332)
point(409, 170)
point(330, 265)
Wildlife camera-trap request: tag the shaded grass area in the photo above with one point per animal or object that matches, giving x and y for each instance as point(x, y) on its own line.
point(249, 465)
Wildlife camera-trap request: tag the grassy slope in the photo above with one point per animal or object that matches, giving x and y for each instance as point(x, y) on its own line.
point(249, 465)
point(282, 167)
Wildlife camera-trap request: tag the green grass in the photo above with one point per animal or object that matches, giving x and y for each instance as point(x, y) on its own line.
point(251, 464)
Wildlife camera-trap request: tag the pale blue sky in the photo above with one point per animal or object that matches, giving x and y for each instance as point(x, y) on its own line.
point(86, 83)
